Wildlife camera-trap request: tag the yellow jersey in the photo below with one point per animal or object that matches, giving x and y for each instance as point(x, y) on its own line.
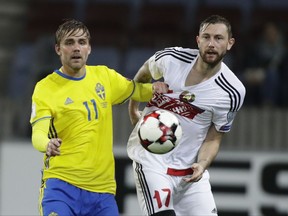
point(80, 113)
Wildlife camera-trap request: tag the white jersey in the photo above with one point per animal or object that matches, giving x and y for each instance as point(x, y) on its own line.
point(215, 100)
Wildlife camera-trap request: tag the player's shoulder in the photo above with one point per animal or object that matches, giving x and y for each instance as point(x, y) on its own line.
point(46, 86)
point(95, 70)
point(227, 79)
point(96, 67)
point(177, 53)
point(46, 81)
point(103, 73)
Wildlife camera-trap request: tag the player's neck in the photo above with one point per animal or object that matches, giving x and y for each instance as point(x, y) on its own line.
point(200, 73)
point(73, 73)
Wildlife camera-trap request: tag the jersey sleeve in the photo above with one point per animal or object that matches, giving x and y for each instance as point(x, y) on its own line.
point(227, 108)
point(168, 59)
point(123, 89)
point(156, 68)
point(223, 120)
point(39, 135)
point(40, 108)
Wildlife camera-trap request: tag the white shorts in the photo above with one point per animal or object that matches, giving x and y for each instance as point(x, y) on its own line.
point(158, 191)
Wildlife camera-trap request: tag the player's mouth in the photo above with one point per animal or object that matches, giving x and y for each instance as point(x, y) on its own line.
point(210, 52)
point(76, 57)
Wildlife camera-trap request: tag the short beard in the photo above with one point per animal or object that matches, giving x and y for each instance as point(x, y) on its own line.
point(215, 62)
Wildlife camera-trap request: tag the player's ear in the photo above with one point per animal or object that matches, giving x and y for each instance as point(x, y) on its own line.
point(89, 49)
point(57, 49)
point(197, 40)
point(231, 42)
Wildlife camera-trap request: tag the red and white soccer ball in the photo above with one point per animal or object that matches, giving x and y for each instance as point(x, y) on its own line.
point(159, 131)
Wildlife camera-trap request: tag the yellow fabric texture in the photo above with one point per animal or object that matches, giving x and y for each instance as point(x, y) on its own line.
point(39, 135)
point(79, 111)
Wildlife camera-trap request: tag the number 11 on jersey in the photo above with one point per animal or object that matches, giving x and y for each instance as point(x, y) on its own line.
point(94, 107)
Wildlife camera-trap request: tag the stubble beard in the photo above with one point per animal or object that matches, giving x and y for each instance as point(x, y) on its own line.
point(212, 63)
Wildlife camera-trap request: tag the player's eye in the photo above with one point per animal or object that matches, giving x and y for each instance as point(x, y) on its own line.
point(205, 36)
point(69, 42)
point(219, 38)
point(83, 42)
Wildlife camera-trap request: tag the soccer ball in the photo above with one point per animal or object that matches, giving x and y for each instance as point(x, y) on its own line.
point(159, 131)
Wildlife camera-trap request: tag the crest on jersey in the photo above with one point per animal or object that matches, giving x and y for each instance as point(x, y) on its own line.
point(187, 97)
point(100, 90)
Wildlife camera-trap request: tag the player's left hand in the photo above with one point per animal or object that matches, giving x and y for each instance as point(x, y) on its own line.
point(160, 87)
point(198, 171)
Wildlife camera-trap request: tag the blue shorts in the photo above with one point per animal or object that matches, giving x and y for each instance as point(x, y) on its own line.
point(59, 198)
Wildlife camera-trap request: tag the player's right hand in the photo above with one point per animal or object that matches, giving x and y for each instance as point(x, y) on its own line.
point(160, 87)
point(53, 147)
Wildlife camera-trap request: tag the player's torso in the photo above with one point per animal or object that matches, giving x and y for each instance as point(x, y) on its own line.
point(82, 118)
point(79, 104)
point(194, 106)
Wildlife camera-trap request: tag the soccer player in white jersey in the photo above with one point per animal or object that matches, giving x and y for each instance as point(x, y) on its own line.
point(205, 96)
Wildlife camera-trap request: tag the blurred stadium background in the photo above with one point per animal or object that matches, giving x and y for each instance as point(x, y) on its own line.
point(250, 175)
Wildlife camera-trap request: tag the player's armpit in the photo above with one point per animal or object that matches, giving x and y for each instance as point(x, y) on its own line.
point(40, 135)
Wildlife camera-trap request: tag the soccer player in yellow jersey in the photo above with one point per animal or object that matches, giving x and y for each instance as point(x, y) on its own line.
point(72, 125)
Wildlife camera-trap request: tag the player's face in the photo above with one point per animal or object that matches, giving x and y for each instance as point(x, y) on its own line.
point(74, 50)
point(213, 43)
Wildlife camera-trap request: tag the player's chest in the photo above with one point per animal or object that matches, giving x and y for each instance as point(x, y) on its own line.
point(186, 103)
point(87, 101)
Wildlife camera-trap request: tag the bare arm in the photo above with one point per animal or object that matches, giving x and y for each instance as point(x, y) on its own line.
point(143, 76)
point(207, 154)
